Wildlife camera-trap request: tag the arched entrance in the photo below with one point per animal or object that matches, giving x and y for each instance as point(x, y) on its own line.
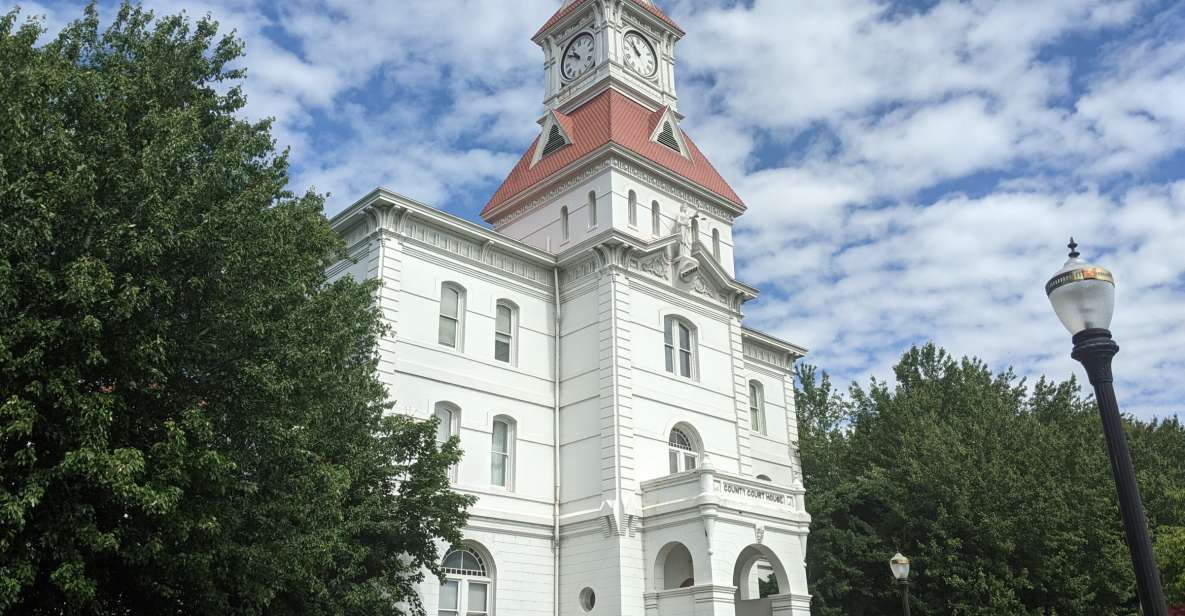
point(674, 567)
point(758, 575)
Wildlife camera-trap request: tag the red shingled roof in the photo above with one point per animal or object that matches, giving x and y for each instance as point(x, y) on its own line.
point(611, 117)
point(650, 7)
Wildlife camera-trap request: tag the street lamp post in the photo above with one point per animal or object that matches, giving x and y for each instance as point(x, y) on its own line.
point(1083, 296)
point(899, 565)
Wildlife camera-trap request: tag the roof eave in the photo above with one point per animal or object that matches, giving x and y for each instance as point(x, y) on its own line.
point(612, 147)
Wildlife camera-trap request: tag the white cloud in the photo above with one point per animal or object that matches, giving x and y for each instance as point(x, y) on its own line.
point(848, 126)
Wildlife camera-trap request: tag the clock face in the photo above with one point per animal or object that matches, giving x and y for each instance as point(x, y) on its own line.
point(639, 55)
point(578, 57)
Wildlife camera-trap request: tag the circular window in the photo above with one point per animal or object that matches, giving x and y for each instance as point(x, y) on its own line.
point(588, 599)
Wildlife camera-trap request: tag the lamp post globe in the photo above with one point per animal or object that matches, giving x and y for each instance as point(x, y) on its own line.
point(899, 565)
point(1083, 297)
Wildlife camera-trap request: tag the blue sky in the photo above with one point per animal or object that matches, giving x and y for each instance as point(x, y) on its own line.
point(912, 169)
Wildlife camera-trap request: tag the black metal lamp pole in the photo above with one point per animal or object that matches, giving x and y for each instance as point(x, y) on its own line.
point(1083, 296)
point(1095, 348)
point(899, 565)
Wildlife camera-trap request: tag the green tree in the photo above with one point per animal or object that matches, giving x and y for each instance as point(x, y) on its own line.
point(1000, 493)
point(190, 420)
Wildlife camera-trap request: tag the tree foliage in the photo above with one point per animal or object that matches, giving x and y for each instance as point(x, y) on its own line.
point(1000, 494)
point(190, 420)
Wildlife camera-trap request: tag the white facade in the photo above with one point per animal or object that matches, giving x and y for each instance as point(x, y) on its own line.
point(633, 445)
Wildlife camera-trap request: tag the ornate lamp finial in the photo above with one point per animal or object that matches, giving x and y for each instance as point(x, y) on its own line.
point(1073, 246)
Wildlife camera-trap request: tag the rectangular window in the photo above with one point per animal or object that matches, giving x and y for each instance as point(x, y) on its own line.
point(500, 450)
point(674, 455)
point(478, 599)
point(450, 316)
point(444, 427)
point(684, 350)
point(503, 333)
point(670, 350)
point(756, 416)
point(449, 598)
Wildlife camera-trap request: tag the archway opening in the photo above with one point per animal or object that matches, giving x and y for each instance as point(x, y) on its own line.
point(758, 574)
point(674, 567)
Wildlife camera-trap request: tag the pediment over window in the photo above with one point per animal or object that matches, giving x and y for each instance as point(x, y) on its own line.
point(699, 273)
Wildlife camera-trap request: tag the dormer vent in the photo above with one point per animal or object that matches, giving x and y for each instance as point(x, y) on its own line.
point(555, 141)
point(667, 137)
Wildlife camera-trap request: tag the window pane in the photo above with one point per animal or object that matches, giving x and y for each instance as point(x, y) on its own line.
point(449, 595)
point(674, 461)
point(444, 429)
point(448, 332)
point(684, 337)
point(498, 470)
point(685, 363)
point(449, 301)
point(503, 324)
point(477, 598)
point(689, 461)
point(755, 419)
point(500, 434)
point(502, 349)
point(670, 358)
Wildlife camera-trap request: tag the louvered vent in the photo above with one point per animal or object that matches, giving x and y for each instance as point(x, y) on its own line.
point(555, 141)
point(667, 137)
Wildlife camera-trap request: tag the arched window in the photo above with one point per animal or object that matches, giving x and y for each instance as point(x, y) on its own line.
point(716, 243)
point(679, 339)
point(448, 425)
point(592, 209)
point(655, 218)
point(502, 452)
point(633, 213)
point(682, 450)
point(505, 331)
point(468, 588)
point(564, 222)
point(763, 478)
point(756, 407)
point(452, 312)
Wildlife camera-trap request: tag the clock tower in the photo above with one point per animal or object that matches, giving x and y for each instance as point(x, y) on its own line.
point(589, 45)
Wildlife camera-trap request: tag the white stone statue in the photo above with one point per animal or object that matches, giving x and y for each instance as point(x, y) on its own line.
point(683, 227)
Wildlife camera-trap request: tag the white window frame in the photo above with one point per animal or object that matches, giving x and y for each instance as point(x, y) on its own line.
point(683, 449)
point(757, 407)
point(452, 424)
point(507, 456)
point(464, 578)
point(510, 336)
point(457, 320)
point(680, 359)
point(633, 209)
point(592, 209)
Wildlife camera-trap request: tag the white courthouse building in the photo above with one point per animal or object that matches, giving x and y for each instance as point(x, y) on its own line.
point(633, 445)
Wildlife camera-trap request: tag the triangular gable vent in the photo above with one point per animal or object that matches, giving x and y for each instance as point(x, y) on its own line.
point(555, 141)
point(667, 137)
